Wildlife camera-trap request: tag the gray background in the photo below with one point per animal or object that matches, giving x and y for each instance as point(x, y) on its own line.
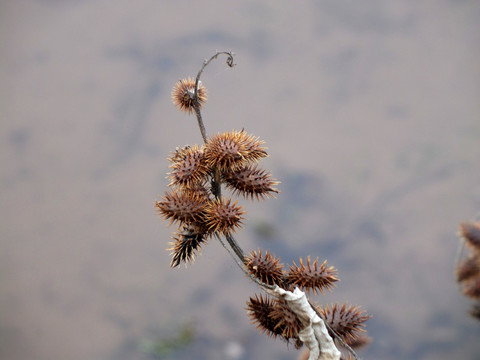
point(370, 110)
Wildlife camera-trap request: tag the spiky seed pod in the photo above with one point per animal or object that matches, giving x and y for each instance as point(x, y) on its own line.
point(468, 268)
point(266, 268)
point(182, 206)
point(183, 95)
point(251, 182)
point(185, 245)
point(346, 320)
point(178, 155)
point(224, 151)
point(286, 320)
point(259, 310)
point(190, 170)
point(233, 150)
point(223, 215)
point(312, 277)
point(254, 148)
point(274, 318)
point(471, 288)
point(201, 190)
point(471, 232)
point(360, 341)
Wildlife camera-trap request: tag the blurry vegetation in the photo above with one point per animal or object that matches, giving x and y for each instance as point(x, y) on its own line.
point(163, 348)
point(264, 230)
point(468, 268)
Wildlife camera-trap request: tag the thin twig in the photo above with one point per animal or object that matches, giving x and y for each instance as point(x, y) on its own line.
point(234, 245)
point(195, 95)
point(216, 183)
point(241, 265)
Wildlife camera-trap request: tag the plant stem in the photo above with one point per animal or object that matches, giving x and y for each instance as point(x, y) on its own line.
point(216, 182)
point(234, 245)
point(238, 254)
point(195, 95)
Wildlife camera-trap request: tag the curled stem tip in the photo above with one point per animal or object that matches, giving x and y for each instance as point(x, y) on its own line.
point(196, 102)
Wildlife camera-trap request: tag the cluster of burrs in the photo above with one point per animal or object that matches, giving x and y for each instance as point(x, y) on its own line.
point(468, 268)
point(229, 163)
point(194, 201)
point(275, 318)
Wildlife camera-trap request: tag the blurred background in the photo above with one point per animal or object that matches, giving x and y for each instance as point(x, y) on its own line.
point(370, 111)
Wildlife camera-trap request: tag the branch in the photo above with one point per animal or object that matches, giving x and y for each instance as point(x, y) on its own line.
point(315, 332)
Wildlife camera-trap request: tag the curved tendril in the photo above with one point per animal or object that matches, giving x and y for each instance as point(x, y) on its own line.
point(195, 96)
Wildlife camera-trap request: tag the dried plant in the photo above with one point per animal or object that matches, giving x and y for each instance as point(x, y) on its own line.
point(196, 206)
point(185, 95)
point(312, 277)
point(467, 270)
point(345, 320)
point(266, 269)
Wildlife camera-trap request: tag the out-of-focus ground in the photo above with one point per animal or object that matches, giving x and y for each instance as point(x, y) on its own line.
point(371, 113)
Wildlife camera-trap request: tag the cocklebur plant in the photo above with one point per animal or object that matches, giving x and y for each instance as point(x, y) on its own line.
point(195, 204)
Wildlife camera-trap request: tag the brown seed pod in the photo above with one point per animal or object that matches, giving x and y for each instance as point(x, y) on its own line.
point(346, 320)
point(190, 169)
point(312, 277)
point(251, 182)
point(185, 245)
point(468, 268)
point(183, 95)
point(266, 268)
point(223, 215)
point(286, 320)
point(254, 148)
point(201, 190)
point(259, 309)
point(360, 341)
point(178, 155)
point(182, 206)
point(233, 150)
point(470, 231)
